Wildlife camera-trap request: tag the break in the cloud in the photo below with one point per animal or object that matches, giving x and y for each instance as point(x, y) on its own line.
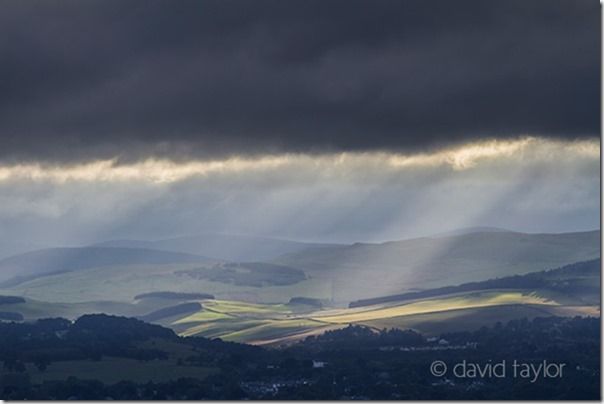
point(134, 80)
point(530, 184)
point(166, 171)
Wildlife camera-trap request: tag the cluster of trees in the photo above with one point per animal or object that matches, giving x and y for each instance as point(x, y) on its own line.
point(89, 337)
point(11, 299)
point(10, 315)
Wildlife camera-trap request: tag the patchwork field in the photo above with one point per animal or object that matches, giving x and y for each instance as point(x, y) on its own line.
point(274, 314)
point(266, 324)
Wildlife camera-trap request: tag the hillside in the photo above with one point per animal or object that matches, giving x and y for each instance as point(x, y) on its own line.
point(571, 290)
point(580, 280)
point(222, 246)
point(24, 267)
point(567, 291)
point(369, 270)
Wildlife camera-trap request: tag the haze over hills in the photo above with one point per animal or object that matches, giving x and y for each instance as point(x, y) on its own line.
point(578, 281)
point(30, 265)
point(373, 270)
point(567, 291)
point(227, 247)
point(337, 273)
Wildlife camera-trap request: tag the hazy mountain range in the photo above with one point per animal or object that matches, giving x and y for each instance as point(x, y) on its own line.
point(225, 247)
point(341, 273)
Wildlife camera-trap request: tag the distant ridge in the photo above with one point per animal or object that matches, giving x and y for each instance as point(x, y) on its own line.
point(27, 266)
point(365, 270)
point(470, 230)
point(222, 246)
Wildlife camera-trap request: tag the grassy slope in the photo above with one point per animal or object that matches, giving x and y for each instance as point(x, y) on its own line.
point(456, 302)
point(245, 322)
point(474, 318)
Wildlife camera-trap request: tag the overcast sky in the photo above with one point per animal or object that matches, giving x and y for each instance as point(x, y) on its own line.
point(334, 120)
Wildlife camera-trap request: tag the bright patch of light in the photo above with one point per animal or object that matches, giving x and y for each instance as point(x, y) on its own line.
point(160, 171)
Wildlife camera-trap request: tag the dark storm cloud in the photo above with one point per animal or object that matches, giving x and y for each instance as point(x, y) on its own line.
point(87, 79)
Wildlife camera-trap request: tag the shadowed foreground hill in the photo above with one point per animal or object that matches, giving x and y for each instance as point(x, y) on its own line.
point(103, 357)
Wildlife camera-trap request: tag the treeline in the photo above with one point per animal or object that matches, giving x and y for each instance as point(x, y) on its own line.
point(11, 299)
point(307, 301)
point(360, 337)
point(256, 274)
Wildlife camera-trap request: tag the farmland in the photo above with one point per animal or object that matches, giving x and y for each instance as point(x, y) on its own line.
point(277, 324)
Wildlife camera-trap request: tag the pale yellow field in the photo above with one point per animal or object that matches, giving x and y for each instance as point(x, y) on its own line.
point(202, 316)
point(475, 300)
point(272, 329)
point(238, 307)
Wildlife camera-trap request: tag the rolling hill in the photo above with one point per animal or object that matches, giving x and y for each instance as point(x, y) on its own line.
point(579, 280)
point(568, 291)
point(24, 267)
point(364, 270)
point(222, 246)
